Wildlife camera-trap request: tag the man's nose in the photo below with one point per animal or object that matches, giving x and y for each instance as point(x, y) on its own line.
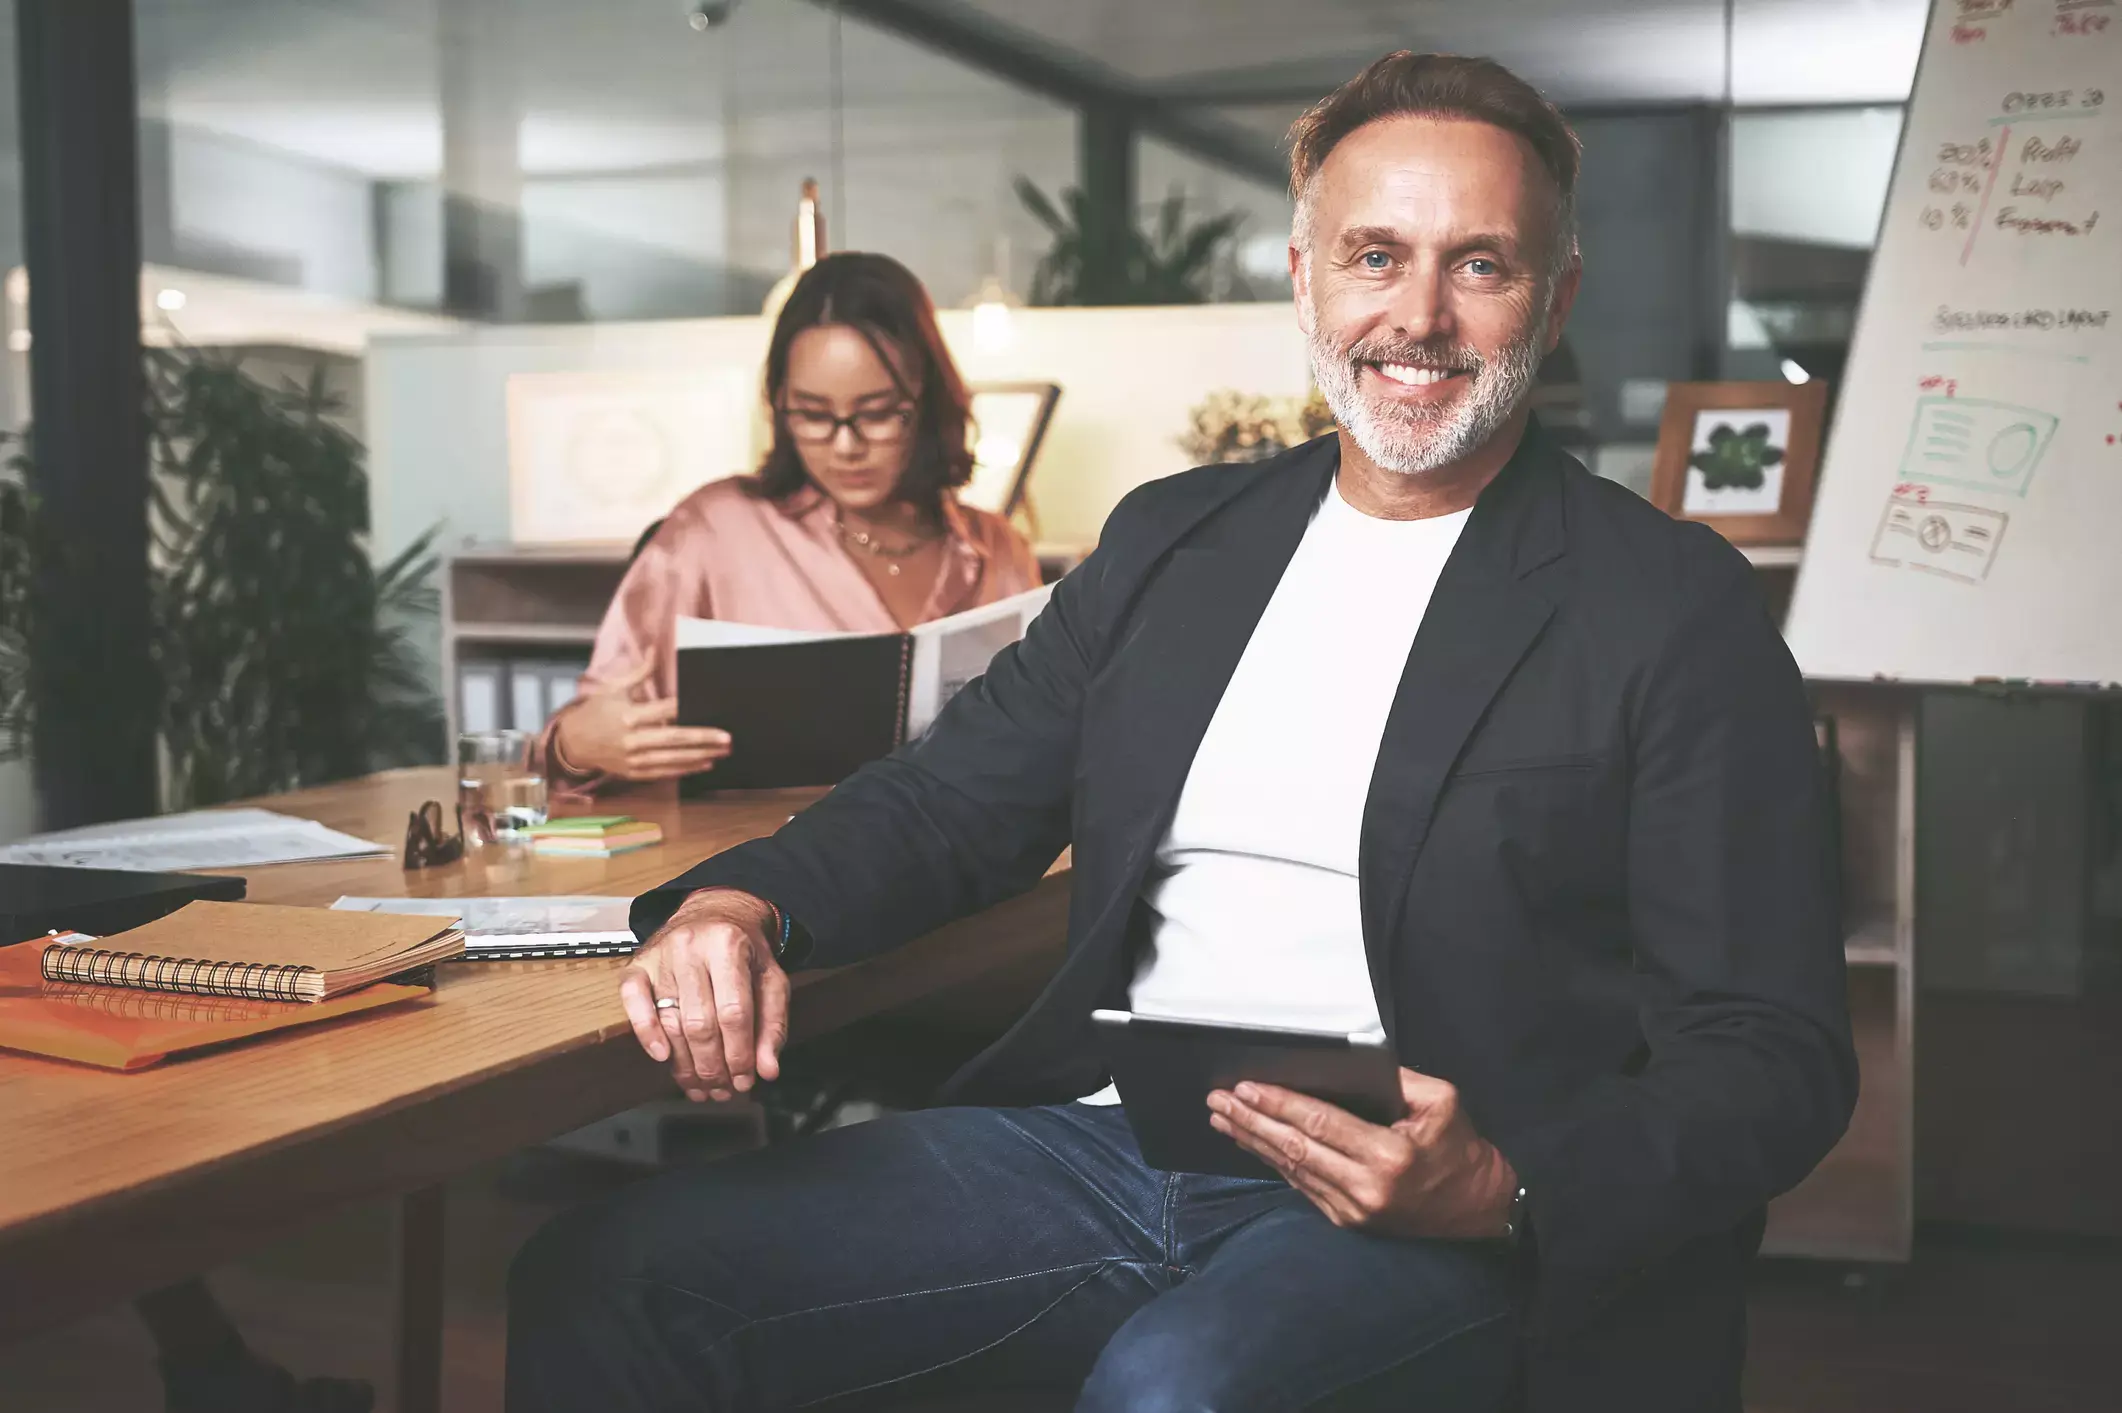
point(1420, 307)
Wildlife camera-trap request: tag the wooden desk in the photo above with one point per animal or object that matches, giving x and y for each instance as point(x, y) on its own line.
point(112, 1184)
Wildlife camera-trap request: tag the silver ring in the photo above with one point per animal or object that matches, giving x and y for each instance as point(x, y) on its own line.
point(666, 1003)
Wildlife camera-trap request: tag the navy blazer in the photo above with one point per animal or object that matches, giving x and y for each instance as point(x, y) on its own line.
point(1596, 886)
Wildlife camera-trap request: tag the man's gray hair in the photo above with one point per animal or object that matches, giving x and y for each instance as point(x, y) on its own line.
point(1407, 84)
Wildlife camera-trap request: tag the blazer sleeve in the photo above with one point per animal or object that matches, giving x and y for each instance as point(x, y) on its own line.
point(972, 813)
point(1748, 1076)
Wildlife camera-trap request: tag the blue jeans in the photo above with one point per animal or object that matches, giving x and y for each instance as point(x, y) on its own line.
point(990, 1249)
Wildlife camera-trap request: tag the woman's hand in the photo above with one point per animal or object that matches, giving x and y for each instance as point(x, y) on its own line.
point(731, 1017)
point(609, 733)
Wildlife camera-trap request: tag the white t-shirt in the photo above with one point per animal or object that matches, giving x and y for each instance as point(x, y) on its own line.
point(1256, 913)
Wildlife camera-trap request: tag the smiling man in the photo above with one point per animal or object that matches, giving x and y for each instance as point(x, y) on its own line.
point(1418, 729)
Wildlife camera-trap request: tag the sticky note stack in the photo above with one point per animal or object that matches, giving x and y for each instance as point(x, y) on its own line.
point(595, 836)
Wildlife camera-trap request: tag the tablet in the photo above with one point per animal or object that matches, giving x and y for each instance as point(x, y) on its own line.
point(1165, 1069)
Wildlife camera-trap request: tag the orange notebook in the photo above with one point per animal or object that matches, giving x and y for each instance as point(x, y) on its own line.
point(121, 1029)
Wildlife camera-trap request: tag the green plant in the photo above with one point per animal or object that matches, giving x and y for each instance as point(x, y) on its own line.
point(1169, 264)
point(283, 653)
point(1736, 459)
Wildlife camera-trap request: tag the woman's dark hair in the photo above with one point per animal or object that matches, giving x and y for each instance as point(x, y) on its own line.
point(881, 300)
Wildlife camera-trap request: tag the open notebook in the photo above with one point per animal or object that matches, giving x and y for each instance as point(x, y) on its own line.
point(257, 951)
point(809, 708)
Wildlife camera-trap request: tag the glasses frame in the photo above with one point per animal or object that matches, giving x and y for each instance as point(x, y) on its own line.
point(904, 412)
point(426, 846)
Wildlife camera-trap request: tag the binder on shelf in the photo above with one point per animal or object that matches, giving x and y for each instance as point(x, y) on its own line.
point(526, 698)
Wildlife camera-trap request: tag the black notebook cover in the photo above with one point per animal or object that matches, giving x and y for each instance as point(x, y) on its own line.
point(36, 899)
point(797, 713)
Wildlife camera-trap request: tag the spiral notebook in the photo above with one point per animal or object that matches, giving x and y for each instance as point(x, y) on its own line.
point(808, 708)
point(118, 1029)
point(256, 951)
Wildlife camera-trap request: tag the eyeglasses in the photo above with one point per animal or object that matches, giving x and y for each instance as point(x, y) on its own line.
point(872, 426)
point(426, 846)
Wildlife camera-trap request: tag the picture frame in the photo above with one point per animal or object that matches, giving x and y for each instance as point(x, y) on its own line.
point(595, 456)
point(1742, 458)
point(1009, 426)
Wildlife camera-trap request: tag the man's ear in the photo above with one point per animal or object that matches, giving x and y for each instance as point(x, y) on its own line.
point(1565, 298)
point(1300, 284)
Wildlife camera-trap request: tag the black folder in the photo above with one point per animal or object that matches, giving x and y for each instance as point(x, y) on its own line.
point(807, 713)
point(36, 898)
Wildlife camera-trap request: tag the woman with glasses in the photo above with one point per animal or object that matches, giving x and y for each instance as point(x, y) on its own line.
point(850, 523)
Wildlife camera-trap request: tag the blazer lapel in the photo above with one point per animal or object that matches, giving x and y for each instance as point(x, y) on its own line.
point(1481, 620)
point(1181, 645)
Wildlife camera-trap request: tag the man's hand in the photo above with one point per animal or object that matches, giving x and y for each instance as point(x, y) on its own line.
point(611, 733)
point(1429, 1174)
point(731, 1019)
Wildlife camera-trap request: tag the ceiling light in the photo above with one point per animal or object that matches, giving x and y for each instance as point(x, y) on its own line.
point(994, 327)
point(1793, 373)
point(170, 299)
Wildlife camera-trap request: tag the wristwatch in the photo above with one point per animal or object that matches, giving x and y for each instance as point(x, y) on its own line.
point(1518, 1226)
point(787, 939)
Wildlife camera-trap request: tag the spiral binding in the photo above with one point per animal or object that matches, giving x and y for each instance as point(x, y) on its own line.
point(104, 966)
point(906, 686)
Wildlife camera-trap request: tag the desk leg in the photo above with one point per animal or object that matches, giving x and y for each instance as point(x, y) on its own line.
point(420, 1228)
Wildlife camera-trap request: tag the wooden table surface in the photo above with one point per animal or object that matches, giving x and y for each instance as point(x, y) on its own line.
point(114, 1183)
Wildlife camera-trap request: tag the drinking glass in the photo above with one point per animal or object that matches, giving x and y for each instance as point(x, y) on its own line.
point(497, 785)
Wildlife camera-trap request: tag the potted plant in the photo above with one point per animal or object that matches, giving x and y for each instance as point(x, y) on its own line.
point(1168, 264)
point(283, 652)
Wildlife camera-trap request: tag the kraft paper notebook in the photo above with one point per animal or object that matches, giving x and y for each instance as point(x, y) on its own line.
point(117, 1029)
point(256, 951)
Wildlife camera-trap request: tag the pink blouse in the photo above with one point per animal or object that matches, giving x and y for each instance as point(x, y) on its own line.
point(724, 553)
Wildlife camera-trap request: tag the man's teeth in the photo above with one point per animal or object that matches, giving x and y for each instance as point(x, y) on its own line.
point(1411, 375)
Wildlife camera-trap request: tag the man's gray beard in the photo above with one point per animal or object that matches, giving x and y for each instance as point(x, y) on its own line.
point(1414, 440)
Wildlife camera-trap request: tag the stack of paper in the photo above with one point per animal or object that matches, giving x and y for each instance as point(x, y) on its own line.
point(594, 836)
point(244, 838)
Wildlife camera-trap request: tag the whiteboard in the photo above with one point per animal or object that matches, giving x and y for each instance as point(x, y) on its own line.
point(1968, 525)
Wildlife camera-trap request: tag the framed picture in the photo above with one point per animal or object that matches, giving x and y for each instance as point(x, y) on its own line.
point(1009, 423)
point(596, 457)
point(1740, 457)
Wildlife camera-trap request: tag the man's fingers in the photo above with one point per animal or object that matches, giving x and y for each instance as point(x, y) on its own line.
point(1337, 1206)
point(773, 1020)
point(703, 1033)
point(639, 999)
point(1325, 1123)
point(1420, 1091)
point(681, 1055)
point(1288, 1147)
point(729, 968)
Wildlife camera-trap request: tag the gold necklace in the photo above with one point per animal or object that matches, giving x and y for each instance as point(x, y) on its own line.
point(867, 542)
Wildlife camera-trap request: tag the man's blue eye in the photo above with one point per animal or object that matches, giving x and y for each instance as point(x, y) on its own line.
point(1376, 260)
point(1480, 266)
